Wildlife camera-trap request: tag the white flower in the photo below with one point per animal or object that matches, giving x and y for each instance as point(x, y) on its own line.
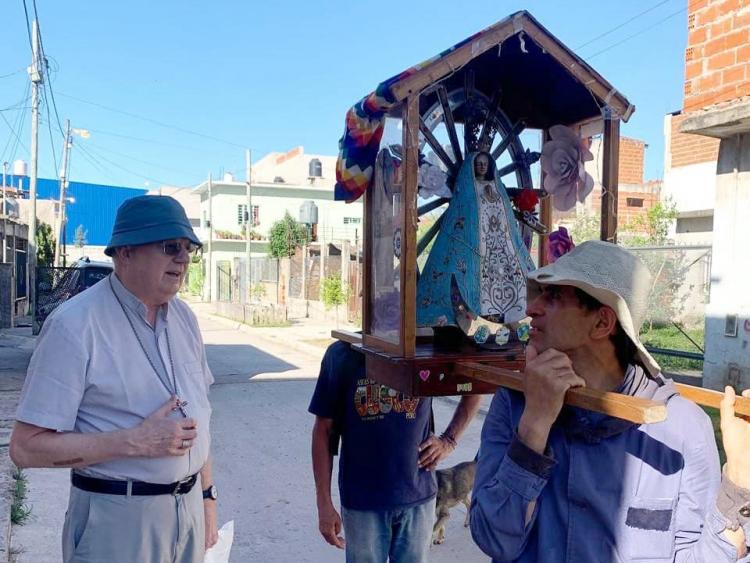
point(566, 179)
point(432, 182)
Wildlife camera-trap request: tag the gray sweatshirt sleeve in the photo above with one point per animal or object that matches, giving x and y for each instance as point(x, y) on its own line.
point(699, 526)
point(509, 477)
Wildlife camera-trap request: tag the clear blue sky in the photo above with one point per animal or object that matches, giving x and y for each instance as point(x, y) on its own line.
point(273, 75)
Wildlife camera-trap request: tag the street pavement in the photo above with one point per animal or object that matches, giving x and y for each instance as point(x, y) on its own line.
point(261, 446)
point(16, 345)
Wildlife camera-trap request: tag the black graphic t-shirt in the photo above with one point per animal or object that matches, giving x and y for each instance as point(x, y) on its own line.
point(381, 430)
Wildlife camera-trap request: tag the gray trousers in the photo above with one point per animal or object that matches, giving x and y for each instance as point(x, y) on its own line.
point(127, 529)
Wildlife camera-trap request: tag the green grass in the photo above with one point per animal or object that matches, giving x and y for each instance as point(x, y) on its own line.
point(716, 420)
point(670, 337)
point(19, 510)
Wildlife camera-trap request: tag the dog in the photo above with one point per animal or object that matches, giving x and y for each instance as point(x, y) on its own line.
point(454, 486)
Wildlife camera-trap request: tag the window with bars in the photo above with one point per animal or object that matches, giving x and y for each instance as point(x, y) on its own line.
point(242, 214)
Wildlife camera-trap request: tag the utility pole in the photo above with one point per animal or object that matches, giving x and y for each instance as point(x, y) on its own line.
point(5, 214)
point(249, 223)
point(36, 76)
point(209, 265)
point(60, 226)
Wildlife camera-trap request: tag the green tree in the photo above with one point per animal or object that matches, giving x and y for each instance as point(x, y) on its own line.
point(650, 228)
point(80, 240)
point(285, 236)
point(45, 245)
point(195, 278)
point(333, 293)
point(587, 226)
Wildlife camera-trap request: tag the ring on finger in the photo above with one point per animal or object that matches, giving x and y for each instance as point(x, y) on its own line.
point(185, 444)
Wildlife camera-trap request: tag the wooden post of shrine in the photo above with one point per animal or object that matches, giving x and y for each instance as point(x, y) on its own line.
point(366, 298)
point(610, 173)
point(545, 213)
point(409, 226)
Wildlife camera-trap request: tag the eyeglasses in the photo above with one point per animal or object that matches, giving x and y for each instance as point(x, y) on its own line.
point(174, 248)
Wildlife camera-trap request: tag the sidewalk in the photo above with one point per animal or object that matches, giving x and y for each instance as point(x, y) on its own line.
point(308, 335)
point(16, 346)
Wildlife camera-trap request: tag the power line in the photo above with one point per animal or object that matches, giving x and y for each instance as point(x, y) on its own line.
point(94, 162)
point(28, 24)
point(154, 121)
point(637, 33)
point(116, 165)
point(623, 24)
point(143, 140)
point(17, 106)
point(45, 69)
point(100, 148)
point(18, 139)
point(51, 139)
point(20, 70)
point(20, 119)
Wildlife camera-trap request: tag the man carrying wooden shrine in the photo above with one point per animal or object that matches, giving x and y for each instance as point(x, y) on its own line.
point(556, 483)
point(388, 452)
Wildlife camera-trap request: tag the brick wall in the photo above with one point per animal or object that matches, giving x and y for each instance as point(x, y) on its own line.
point(631, 161)
point(632, 200)
point(691, 149)
point(717, 58)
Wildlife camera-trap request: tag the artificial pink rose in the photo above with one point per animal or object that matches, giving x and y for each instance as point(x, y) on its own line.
point(560, 242)
point(566, 179)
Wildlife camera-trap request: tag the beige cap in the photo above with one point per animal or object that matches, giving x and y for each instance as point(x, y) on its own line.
point(610, 274)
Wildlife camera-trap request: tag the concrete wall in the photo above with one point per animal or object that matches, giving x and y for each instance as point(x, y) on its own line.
point(252, 314)
point(6, 294)
point(728, 357)
point(690, 181)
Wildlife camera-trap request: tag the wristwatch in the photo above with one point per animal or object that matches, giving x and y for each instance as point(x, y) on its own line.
point(210, 493)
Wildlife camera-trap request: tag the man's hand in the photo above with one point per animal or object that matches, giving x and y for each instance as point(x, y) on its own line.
point(431, 451)
point(735, 434)
point(209, 515)
point(160, 436)
point(547, 377)
point(329, 524)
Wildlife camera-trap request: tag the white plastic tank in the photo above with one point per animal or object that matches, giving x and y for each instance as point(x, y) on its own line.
point(20, 168)
point(308, 213)
point(228, 177)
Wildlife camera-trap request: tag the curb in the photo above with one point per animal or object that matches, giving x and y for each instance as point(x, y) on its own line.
point(6, 501)
point(308, 349)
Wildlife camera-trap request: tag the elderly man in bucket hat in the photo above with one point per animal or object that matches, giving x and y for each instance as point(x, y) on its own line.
point(117, 390)
point(562, 484)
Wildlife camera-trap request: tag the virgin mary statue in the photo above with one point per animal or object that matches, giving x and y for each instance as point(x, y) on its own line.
point(478, 264)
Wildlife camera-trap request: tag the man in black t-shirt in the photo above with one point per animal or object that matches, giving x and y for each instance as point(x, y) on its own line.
point(388, 454)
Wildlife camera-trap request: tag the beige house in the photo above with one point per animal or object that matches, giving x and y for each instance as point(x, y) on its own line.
point(281, 183)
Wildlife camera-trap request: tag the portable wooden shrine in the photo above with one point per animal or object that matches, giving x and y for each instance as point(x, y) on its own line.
point(482, 93)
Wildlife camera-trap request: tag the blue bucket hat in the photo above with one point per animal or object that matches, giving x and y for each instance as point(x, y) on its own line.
point(150, 218)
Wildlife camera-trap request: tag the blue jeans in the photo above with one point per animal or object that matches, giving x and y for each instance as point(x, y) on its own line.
point(398, 536)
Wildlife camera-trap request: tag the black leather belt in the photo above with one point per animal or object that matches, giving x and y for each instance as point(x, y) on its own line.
point(139, 488)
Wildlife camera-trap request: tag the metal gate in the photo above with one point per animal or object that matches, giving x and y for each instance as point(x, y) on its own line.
point(224, 281)
point(53, 287)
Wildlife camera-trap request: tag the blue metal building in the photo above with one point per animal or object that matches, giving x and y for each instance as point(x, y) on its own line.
point(94, 205)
